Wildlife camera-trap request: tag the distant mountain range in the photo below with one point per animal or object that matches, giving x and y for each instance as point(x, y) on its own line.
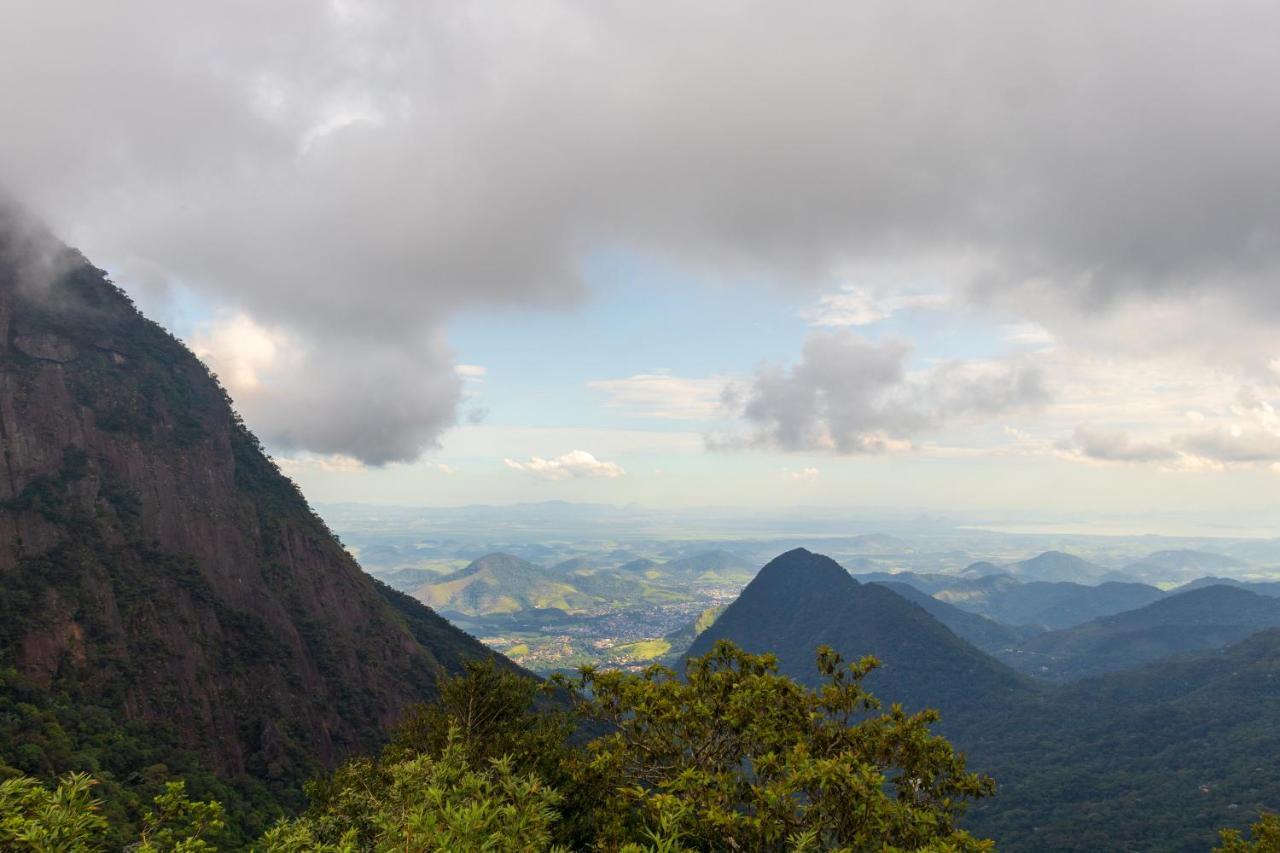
point(1050, 604)
point(506, 584)
point(1154, 758)
point(1208, 617)
point(1183, 565)
point(986, 634)
point(1271, 588)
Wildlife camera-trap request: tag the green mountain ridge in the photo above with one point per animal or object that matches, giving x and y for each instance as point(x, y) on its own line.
point(1204, 618)
point(984, 633)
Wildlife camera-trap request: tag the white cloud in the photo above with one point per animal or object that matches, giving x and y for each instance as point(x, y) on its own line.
point(1027, 334)
point(861, 306)
point(849, 395)
point(804, 475)
point(471, 372)
point(332, 464)
point(241, 351)
point(661, 395)
point(575, 463)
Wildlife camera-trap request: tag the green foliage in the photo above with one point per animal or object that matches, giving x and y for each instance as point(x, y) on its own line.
point(432, 803)
point(67, 818)
point(736, 754)
point(179, 825)
point(1157, 758)
point(43, 735)
point(1266, 838)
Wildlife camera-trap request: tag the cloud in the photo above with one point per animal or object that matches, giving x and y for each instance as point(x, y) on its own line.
point(287, 389)
point(390, 163)
point(1116, 446)
point(804, 475)
point(660, 395)
point(1027, 334)
point(574, 464)
point(849, 395)
point(1245, 434)
point(860, 306)
point(332, 464)
point(1234, 445)
point(240, 351)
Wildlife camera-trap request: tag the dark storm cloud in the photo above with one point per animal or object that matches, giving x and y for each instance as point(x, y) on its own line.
point(361, 170)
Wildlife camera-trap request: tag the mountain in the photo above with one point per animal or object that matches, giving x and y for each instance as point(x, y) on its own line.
point(502, 583)
point(156, 564)
point(1154, 758)
point(709, 565)
point(986, 634)
point(801, 601)
point(926, 583)
point(1182, 564)
point(1271, 588)
point(406, 579)
point(1058, 566)
point(573, 564)
point(640, 566)
point(1053, 605)
point(1207, 618)
point(981, 569)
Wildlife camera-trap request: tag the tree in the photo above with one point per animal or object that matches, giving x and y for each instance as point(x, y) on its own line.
point(67, 819)
point(180, 825)
point(731, 756)
point(1266, 837)
point(431, 804)
point(32, 817)
point(736, 756)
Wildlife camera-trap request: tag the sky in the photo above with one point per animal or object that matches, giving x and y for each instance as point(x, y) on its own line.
point(999, 260)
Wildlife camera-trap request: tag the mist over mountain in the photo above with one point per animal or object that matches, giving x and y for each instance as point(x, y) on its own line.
point(986, 634)
point(1271, 588)
point(1051, 604)
point(1057, 566)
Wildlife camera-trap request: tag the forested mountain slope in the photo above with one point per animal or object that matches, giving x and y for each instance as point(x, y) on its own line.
point(155, 563)
point(801, 601)
point(1205, 618)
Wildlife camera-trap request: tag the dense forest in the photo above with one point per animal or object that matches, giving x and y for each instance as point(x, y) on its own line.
point(732, 755)
point(728, 755)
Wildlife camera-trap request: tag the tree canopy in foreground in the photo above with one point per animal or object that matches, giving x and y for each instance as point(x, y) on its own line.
point(731, 756)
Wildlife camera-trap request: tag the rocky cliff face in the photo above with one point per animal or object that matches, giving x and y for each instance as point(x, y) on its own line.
point(154, 559)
